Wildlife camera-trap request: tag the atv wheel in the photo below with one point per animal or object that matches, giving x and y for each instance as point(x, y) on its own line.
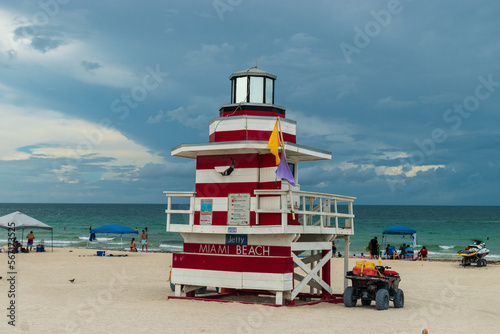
point(464, 262)
point(399, 299)
point(349, 298)
point(382, 299)
point(366, 302)
point(484, 262)
point(480, 262)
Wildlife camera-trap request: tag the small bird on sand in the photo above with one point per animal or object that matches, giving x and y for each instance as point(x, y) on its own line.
point(72, 280)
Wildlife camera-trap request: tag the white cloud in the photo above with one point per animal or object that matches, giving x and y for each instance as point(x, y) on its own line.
point(390, 103)
point(303, 38)
point(189, 117)
point(157, 118)
point(410, 171)
point(48, 134)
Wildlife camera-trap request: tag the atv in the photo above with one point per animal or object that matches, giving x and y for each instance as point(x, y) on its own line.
point(380, 287)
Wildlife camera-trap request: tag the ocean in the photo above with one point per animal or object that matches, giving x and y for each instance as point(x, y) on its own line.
point(444, 230)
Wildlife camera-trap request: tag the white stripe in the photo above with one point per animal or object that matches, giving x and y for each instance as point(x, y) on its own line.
point(267, 174)
point(232, 279)
point(257, 124)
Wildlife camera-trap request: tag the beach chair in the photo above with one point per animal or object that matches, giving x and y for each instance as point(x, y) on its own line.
point(409, 253)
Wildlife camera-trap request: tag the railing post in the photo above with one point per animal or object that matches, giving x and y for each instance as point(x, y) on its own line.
point(169, 207)
point(284, 212)
point(257, 205)
point(320, 216)
point(346, 259)
point(351, 220)
point(191, 209)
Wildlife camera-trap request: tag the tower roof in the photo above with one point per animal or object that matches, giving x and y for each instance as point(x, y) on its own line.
point(253, 71)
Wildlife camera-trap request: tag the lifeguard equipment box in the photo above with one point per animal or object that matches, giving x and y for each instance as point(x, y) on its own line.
point(247, 230)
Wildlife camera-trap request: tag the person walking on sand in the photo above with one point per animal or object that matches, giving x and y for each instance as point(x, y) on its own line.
point(30, 238)
point(144, 240)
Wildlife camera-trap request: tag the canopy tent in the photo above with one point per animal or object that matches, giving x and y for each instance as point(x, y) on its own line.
point(19, 221)
point(115, 229)
point(402, 230)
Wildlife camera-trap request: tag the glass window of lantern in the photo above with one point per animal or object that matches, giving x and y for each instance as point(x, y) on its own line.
point(241, 89)
point(256, 89)
point(269, 91)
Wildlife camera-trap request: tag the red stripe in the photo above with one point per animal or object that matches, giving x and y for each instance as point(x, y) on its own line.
point(251, 113)
point(237, 135)
point(240, 161)
point(224, 189)
point(252, 264)
point(267, 160)
point(255, 250)
point(270, 219)
point(270, 185)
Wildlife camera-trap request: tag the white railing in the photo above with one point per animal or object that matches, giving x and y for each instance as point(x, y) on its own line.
point(316, 212)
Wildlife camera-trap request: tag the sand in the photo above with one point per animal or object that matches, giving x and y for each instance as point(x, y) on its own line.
point(130, 295)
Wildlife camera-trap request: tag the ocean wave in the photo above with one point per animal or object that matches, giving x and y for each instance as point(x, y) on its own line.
point(62, 242)
point(104, 239)
point(446, 247)
point(98, 238)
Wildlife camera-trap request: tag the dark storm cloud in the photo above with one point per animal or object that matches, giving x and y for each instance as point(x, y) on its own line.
point(378, 114)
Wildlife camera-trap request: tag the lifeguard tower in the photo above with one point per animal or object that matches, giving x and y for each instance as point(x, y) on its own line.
point(249, 231)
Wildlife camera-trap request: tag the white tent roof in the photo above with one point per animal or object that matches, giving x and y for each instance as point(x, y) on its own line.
point(20, 221)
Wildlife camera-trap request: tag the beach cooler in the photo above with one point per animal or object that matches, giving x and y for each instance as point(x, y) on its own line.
point(366, 271)
point(40, 248)
point(101, 253)
point(366, 264)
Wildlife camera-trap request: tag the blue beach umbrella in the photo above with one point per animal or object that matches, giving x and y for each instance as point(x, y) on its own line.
point(402, 230)
point(115, 229)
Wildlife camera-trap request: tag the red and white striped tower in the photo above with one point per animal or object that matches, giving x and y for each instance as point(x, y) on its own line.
point(246, 227)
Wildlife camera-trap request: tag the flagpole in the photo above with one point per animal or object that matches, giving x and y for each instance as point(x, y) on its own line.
point(284, 153)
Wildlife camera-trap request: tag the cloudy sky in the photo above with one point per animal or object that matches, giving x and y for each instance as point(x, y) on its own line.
point(95, 94)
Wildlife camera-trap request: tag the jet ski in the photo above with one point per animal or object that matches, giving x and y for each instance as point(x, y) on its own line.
point(474, 253)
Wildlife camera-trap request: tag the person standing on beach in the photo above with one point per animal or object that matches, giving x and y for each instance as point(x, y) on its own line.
point(373, 247)
point(30, 238)
point(144, 240)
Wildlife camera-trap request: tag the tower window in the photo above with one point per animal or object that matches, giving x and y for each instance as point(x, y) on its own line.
point(269, 87)
point(257, 89)
point(241, 89)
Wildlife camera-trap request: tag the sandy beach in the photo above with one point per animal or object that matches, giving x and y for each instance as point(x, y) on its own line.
point(130, 294)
